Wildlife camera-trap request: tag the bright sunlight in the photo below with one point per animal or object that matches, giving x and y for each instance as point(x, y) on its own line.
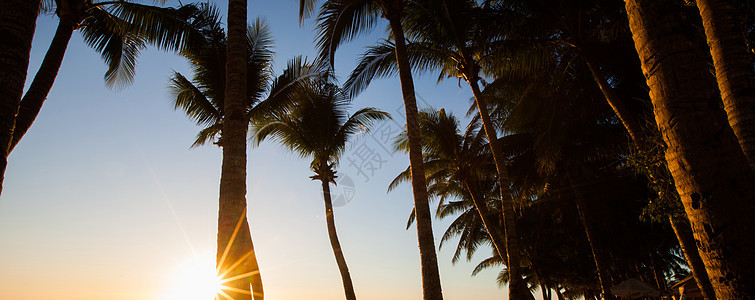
point(195, 279)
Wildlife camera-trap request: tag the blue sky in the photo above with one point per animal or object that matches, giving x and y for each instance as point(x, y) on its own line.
point(104, 199)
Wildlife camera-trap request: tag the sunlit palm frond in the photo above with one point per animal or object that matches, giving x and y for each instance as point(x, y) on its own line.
point(490, 262)
point(404, 176)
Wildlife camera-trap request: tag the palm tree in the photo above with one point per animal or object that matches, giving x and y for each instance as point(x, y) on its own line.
point(233, 170)
point(318, 128)
point(452, 36)
point(203, 100)
point(734, 72)
point(18, 22)
point(17, 29)
point(339, 22)
point(594, 32)
point(710, 170)
point(118, 30)
point(457, 166)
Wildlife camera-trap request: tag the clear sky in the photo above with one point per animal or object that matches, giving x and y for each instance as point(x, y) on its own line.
point(103, 199)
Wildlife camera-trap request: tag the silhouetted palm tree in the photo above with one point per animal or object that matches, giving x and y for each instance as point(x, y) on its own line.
point(339, 22)
point(115, 29)
point(17, 22)
point(203, 100)
point(318, 128)
point(454, 37)
point(118, 31)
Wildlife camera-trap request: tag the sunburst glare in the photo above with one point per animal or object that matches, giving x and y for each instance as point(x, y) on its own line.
point(195, 279)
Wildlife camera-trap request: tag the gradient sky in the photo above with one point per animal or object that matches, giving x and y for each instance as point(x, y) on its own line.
point(103, 199)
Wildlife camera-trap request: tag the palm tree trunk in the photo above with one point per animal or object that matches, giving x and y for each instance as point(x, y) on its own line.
point(348, 287)
point(234, 237)
point(616, 103)
point(734, 72)
point(32, 101)
point(431, 286)
point(488, 220)
point(710, 171)
point(517, 287)
point(17, 21)
point(660, 283)
point(639, 138)
point(598, 256)
point(687, 243)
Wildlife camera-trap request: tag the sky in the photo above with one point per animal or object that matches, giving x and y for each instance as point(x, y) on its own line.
point(103, 198)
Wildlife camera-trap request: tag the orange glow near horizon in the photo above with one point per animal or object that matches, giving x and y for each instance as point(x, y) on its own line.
point(195, 279)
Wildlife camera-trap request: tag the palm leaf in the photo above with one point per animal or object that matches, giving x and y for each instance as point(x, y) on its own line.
point(340, 21)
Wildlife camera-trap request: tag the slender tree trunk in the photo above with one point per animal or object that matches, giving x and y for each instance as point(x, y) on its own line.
point(616, 103)
point(431, 286)
point(517, 287)
point(236, 255)
point(488, 220)
point(600, 259)
point(32, 101)
point(687, 243)
point(348, 287)
point(17, 22)
point(710, 171)
point(660, 283)
point(734, 72)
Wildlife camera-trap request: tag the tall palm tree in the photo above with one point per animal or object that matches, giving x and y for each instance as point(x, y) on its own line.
point(117, 30)
point(233, 170)
point(734, 72)
point(457, 166)
point(454, 37)
point(318, 128)
point(710, 170)
point(339, 22)
point(203, 100)
point(17, 22)
point(594, 32)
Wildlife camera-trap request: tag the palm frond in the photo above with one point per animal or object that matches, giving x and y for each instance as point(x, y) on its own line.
point(487, 263)
point(404, 176)
point(208, 134)
point(187, 97)
point(306, 9)
point(340, 21)
point(380, 61)
point(173, 29)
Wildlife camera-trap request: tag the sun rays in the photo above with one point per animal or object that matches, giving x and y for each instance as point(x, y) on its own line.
point(226, 275)
point(200, 278)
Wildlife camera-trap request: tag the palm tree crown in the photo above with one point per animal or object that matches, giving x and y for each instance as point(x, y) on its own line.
point(319, 126)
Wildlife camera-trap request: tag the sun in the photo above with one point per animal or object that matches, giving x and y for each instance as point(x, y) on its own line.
point(195, 279)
